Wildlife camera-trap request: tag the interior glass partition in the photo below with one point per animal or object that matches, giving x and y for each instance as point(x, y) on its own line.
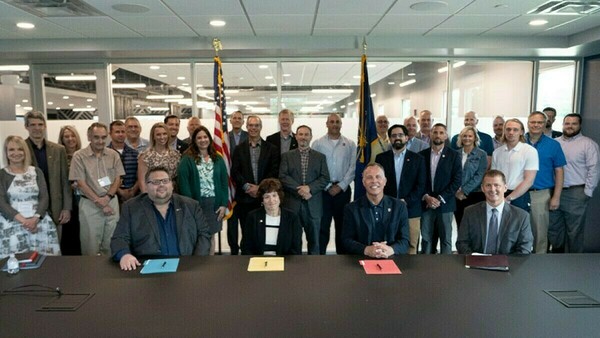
point(556, 88)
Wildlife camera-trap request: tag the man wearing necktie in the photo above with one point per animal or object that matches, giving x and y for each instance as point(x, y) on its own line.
point(493, 226)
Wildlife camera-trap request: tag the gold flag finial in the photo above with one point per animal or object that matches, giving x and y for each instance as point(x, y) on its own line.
point(217, 45)
point(364, 45)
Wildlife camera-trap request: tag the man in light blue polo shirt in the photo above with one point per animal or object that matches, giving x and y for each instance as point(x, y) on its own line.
point(547, 186)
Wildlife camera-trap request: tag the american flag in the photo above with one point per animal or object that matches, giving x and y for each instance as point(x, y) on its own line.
point(221, 139)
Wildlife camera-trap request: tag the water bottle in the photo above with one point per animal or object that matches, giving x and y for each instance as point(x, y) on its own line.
point(13, 264)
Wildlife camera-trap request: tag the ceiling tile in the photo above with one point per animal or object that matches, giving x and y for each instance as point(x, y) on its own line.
point(577, 26)
point(475, 21)
point(520, 26)
point(487, 7)
point(163, 33)
point(288, 24)
point(399, 23)
point(43, 29)
point(201, 22)
point(155, 7)
point(210, 8)
point(402, 7)
point(341, 31)
point(331, 7)
point(96, 27)
point(152, 22)
point(280, 7)
point(346, 21)
point(455, 31)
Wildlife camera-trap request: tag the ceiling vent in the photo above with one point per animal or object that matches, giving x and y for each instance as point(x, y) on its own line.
point(567, 8)
point(55, 8)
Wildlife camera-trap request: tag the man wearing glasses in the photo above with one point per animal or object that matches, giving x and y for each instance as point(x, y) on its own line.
point(159, 223)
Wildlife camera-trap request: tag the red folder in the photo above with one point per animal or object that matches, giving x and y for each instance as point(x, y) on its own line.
point(380, 267)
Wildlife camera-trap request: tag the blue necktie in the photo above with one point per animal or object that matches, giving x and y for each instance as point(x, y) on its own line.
point(492, 237)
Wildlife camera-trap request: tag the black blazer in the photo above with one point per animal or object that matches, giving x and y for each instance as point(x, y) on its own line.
point(181, 146)
point(357, 230)
point(137, 229)
point(412, 179)
point(275, 139)
point(289, 238)
point(241, 167)
point(448, 177)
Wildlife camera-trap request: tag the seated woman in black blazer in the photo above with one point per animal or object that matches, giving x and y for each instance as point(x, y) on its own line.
point(271, 229)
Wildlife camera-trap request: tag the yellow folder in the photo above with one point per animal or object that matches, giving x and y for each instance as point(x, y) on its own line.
point(266, 264)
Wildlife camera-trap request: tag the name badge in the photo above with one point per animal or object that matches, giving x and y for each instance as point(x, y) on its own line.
point(104, 181)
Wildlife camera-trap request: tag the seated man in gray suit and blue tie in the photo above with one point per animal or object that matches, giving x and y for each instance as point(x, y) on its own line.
point(494, 226)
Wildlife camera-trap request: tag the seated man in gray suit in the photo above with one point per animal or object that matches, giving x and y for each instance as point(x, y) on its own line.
point(375, 225)
point(159, 223)
point(494, 226)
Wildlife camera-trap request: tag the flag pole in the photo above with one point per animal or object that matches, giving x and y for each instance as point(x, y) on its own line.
point(217, 47)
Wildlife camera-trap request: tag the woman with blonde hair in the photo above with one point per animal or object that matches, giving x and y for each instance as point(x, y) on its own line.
point(70, 242)
point(158, 154)
point(25, 224)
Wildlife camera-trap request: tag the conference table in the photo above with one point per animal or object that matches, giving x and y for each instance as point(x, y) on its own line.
point(316, 296)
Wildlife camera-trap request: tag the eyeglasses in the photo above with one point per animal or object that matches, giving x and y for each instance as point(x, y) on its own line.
point(157, 182)
point(397, 136)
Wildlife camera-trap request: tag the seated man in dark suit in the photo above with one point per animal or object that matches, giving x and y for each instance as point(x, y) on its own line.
point(494, 226)
point(159, 223)
point(375, 225)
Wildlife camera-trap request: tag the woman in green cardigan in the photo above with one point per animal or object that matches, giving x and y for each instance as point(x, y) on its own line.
point(202, 175)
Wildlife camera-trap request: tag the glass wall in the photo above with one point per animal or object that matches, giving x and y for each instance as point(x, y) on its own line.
point(15, 99)
point(556, 88)
point(489, 88)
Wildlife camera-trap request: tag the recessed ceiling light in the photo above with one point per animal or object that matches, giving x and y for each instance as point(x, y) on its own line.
point(18, 105)
point(411, 74)
point(217, 23)
point(539, 22)
point(371, 65)
point(356, 77)
point(428, 6)
point(65, 97)
point(25, 101)
point(268, 77)
point(71, 105)
point(50, 103)
point(15, 68)
point(347, 84)
point(185, 84)
point(181, 78)
point(350, 103)
point(287, 75)
point(137, 105)
point(57, 108)
point(89, 100)
point(130, 8)
point(25, 25)
point(154, 67)
point(272, 84)
point(287, 83)
point(391, 83)
point(263, 66)
point(162, 75)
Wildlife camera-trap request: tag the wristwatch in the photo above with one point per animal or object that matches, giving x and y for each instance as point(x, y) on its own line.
point(111, 196)
point(37, 216)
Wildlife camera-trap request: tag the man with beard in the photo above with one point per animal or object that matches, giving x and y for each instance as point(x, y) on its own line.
point(375, 225)
point(304, 175)
point(551, 114)
point(340, 153)
point(413, 144)
point(565, 232)
point(159, 223)
point(443, 172)
point(408, 170)
point(494, 227)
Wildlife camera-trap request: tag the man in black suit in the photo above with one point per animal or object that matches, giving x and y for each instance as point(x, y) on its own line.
point(236, 136)
point(172, 122)
point(375, 225)
point(159, 223)
point(443, 173)
point(405, 173)
point(284, 139)
point(493, 226)
point(304, 174)
point(253, 160)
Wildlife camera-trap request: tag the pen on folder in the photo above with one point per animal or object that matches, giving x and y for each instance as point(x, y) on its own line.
point(379, 267)
point(163, 264)
point(266, 262)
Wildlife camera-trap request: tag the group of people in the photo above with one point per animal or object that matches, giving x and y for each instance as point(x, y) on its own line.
point(516, 192)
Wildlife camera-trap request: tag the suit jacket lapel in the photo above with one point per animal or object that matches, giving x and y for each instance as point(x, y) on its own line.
point(506, 216)
point(483, 226)
point(262, 230)
point(387, 216)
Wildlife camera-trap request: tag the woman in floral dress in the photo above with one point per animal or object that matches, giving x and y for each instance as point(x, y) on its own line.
point(158, 154)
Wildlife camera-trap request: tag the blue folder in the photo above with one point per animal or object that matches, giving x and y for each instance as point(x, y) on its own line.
point(164, 265)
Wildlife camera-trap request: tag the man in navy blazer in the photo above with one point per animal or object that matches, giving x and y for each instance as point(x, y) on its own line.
point(513, 233)
point(375, 225)
point(405, 174)
point(159, 223)
point(248, 172)
point(443, 173)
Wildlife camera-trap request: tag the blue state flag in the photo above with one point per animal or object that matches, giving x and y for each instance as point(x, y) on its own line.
point(367, 132)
